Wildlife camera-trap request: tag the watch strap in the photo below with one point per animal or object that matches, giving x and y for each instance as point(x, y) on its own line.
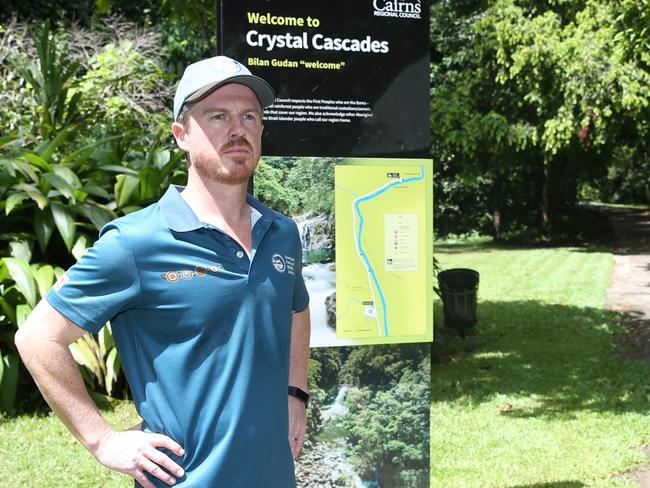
point(302, 395)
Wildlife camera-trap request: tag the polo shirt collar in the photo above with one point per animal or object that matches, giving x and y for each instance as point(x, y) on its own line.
point(181, 218)
point(266, 212)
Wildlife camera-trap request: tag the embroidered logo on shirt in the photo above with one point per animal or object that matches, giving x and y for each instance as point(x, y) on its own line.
point(188, 274)
point(278, 263)
point(283, 263)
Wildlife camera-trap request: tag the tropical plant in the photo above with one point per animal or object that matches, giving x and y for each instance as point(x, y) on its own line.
point(21, 286)
point(8, 381)
point(98, 354)
point(63, 175)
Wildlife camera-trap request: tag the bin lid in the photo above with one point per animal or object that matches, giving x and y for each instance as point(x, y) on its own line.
point(458, 278)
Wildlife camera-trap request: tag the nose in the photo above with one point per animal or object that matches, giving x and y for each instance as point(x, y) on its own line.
point(236, 128)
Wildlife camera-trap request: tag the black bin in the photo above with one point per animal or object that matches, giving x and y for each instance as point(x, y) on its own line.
point(458, 288)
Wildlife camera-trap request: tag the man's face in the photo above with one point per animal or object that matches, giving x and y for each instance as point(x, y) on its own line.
point(223, 134)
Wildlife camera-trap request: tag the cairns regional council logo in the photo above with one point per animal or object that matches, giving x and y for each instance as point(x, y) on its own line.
point(188, 274)
point(403, 9)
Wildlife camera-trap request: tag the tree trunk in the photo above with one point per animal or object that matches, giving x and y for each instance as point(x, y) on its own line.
point(546, 214)
point(497, 196)
point(560, 189)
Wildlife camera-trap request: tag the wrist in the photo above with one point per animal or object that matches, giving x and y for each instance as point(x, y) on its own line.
point(300, 394)
point(96, 440)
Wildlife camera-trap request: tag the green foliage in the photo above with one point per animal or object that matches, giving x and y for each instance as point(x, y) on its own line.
point(388, 407)
point(573, 76)
point(21, 286)
point(98, 355)
point(296, 185)
point(269, 188)
point(632, 21)
point(382, 365)
point(8, 381)
point(18, 107)
point(39, 11)
point(324, 367)
point(385, 427)
point(44, 192)
point(626, 180)
point(122, 82)
point(179, 21)
point(86, 159)
point(535, 95)
point(50, 81)
point(313, 180)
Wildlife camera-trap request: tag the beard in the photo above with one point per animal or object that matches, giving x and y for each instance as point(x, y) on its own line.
point(214, 169)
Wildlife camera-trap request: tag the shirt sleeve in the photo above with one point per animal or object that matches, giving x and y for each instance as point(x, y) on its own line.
point(103, 283)
point(300, 294)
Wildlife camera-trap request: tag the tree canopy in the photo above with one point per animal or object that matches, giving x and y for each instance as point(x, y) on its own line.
point(532, 102)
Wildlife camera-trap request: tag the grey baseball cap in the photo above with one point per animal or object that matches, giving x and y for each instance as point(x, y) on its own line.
point(205, 76)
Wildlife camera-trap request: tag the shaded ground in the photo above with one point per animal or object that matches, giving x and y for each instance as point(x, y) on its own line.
point(629, 291)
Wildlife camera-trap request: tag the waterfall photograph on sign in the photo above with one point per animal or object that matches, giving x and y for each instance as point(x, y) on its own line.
point(303, 189)
point(368, 419)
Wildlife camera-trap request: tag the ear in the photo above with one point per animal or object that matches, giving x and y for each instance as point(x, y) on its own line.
point(180, 134)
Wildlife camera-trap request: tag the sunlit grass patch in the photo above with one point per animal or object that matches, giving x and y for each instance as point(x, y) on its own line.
point(535, 395)
point(37, 451)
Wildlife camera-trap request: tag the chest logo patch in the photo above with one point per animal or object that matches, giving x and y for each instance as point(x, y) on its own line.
point(188, 274)
point(279, 263)
point(283, 263)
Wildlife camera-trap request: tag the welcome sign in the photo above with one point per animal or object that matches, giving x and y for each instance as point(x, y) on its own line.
point(352, 78)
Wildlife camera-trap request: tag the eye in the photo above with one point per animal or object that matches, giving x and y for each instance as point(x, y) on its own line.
point(250, 116)
point(217, 116)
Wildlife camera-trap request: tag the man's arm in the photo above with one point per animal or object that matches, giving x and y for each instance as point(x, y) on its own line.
point(43, 345)
point(298, 363)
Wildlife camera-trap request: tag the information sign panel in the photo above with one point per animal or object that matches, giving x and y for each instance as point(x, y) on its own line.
point(352, 77)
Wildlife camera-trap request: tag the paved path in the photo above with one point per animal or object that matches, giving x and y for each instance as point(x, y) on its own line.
point(629, 292)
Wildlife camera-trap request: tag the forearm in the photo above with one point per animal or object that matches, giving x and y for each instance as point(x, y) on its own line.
point(43, 344)
point(299, 352)
point(57, 376)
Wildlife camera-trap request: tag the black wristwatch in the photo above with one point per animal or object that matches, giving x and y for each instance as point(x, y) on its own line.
point(302, 395)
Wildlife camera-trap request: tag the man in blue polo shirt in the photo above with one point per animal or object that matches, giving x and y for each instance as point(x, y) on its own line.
point(208, 308)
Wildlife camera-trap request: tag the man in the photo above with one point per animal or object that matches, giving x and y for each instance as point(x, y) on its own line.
point(208, 308)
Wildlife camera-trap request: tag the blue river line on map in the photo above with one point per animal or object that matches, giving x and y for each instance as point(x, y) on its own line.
point(357, 204)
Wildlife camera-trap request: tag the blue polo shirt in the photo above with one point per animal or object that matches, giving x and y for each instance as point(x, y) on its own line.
point(202, 331)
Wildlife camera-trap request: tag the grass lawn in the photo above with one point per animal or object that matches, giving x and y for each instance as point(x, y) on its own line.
point(38, 452)
point(535, 396)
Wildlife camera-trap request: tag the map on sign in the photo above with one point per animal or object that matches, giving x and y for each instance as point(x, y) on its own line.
point(383, 284)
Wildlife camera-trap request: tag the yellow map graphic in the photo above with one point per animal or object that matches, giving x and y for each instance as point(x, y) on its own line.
point(383, 284)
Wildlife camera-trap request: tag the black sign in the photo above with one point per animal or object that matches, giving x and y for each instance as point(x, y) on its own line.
point(351, 77)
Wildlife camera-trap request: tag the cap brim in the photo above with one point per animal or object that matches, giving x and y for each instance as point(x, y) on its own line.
point(262, 89)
